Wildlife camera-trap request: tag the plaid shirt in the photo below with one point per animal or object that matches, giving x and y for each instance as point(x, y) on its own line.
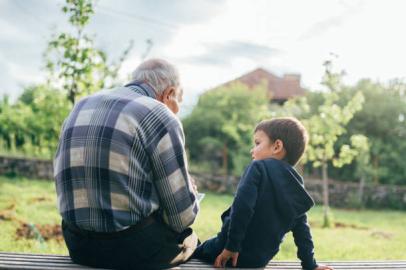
point(121, 157)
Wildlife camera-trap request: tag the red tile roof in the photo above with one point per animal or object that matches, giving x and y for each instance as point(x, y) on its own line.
point(279, 88)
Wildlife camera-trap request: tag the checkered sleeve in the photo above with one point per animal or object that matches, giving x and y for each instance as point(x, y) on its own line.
point(178, 201)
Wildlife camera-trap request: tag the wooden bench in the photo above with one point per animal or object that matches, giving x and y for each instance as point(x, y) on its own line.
point(28, 261)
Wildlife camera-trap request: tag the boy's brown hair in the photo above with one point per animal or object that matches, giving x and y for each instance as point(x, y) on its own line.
point(292, 134)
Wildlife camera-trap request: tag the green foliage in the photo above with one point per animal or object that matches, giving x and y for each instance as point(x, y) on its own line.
point(382, 120)
point(325, 122)
point(362, 145)
point(72, 59)
point(225, 115)
point(31, 126)
point(81, 11)
point(324, 128)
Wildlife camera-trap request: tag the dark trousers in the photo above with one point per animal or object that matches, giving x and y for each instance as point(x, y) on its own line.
point(211, 249)
point(156, 247)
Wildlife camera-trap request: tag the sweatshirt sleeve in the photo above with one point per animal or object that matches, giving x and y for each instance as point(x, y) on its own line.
point(243, 207)
point(303, 240)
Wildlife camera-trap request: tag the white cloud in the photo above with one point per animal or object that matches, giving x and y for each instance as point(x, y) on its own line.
point(213, 47)
point(272, 30)
point(10, 32)
point(25, 74)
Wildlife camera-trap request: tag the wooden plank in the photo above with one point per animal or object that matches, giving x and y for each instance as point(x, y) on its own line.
point(34, 267)
point(16, 259)
point(49, 265)
point(27, 261)
point(32, 261)
point(33, 255)
point(295, 265)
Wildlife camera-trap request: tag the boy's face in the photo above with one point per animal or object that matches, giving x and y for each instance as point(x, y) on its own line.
point(263, 148)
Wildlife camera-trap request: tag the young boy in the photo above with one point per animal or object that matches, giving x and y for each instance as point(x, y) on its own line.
point(270, 202)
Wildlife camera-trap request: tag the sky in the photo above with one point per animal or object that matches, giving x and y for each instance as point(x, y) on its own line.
point(215, 41)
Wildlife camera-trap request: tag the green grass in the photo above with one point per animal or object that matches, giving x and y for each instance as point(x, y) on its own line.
point(25, 201)
point(363, 235)
point(368, 235)
point(209, 219)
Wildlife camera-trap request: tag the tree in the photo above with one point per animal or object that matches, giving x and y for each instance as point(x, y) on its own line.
point(72, 58)
point(324, 125)
point(31, 125)
point(324, 128)
point(222, 123)
point(361, 144)
point(382, 120)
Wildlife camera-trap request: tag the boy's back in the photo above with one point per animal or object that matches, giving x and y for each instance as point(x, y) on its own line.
point(270, 202)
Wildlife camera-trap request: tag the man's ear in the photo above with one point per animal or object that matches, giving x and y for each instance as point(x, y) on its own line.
point(168, 94)
point(278, 147)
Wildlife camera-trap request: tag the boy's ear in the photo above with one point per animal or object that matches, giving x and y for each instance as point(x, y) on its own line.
point(278, 147)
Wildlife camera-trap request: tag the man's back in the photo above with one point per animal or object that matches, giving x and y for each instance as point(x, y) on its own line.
point(116, 155)
point(124, 192)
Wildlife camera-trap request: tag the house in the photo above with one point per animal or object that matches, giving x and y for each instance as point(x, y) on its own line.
point(280, 89)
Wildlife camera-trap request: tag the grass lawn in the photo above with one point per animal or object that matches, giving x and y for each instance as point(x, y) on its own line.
point(357, 235)
point(23, 201)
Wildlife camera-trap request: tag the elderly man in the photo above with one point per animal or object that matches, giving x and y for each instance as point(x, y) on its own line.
point(121, 177)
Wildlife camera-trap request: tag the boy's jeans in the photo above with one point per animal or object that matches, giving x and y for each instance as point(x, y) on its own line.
point(212, 247)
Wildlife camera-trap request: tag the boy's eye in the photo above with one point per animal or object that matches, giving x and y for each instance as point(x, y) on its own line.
point(256, 143)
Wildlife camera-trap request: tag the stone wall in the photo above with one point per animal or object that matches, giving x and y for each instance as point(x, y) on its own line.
point(342, 194)
point(30, 168)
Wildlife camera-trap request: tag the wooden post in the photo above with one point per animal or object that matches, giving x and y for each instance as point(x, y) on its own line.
point(225, 157)
point(375, 169)
point(361, 186)
point(326, 222)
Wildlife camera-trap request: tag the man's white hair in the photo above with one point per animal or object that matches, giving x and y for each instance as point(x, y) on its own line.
point(157, 73)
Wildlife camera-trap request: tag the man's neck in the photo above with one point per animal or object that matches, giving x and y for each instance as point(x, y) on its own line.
point(142, 88)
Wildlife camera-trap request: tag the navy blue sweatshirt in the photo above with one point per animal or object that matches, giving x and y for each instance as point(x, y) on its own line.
point(270, 202)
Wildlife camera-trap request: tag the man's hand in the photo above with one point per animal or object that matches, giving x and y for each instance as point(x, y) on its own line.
point(322, 267)
point(223, 258)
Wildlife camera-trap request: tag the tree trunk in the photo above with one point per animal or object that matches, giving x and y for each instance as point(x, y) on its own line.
point(72, 94)
point(225, 157)
point(376, 169)
point(361, 186)
point(325, 194)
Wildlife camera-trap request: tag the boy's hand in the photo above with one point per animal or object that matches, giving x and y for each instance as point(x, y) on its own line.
point(322, 267)
point(223, 258)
